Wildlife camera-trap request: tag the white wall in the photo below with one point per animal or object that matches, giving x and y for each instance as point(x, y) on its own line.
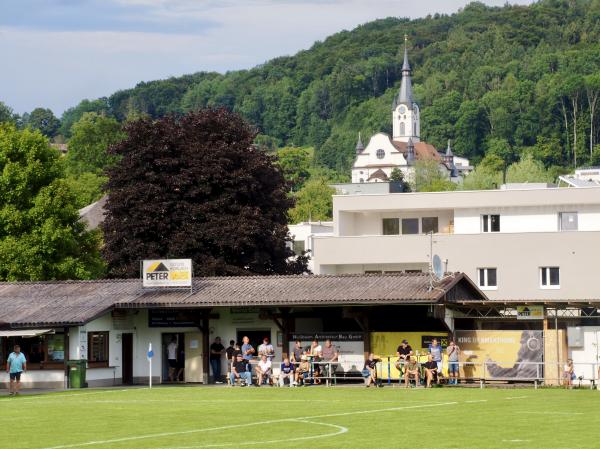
point(588, 353)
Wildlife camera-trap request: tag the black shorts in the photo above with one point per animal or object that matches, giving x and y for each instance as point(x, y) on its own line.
point(16, 376)
point(172, 363)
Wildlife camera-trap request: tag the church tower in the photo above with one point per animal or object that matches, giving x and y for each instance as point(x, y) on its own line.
point(406, 119)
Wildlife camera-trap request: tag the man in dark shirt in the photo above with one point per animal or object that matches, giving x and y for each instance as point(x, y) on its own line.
point(230, 351)
point(297, 353)
point(286, 373)
point(370, 370)
point(431, 370)
point(239, 370)
point(216, 350)
point(403, 352)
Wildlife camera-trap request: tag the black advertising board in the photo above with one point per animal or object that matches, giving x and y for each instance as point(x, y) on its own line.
point(173, 318)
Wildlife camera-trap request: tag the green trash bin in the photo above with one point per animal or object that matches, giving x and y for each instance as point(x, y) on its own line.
point(77, 373)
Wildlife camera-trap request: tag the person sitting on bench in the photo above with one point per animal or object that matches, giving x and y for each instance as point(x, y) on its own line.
point(412, 371)
point(286, 373)
point(403, 352)
point(263, 370)
point(370, 370)
point(431, 370)
point(239, 370)
point(303, 370)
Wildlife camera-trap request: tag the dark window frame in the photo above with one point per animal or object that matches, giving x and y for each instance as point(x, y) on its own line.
point(405, 223)
point(385, 230)
point(102, 361)
point(424, 228)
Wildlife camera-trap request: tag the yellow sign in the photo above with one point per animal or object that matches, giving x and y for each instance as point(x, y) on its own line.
point(167, 273)
point(530, 312)
point(505, 354)
point(385, 344)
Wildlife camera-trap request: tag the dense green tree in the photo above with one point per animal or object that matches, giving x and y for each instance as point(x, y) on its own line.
point(6, 114)
point(429, 177)
point(295, 164)
point(88, 147)
point(73, 115)
point(45, 121)
point(86, 188)
point(314, 202)
point(41, 237)
point(397, 176)
point(528, 170)
point(197, 187)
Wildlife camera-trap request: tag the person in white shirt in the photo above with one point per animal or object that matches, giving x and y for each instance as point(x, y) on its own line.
point(263, 370)
point(266, 348)
point(172, 357)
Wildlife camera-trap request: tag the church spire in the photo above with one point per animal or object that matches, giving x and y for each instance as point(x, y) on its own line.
point(405, 95)
point(359, 145)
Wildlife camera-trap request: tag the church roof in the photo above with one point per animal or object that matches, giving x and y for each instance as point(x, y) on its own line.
point(379, 174)
point(423, 150)
point(405, 95)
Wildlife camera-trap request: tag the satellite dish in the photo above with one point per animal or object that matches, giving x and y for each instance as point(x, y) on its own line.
point(437, 267)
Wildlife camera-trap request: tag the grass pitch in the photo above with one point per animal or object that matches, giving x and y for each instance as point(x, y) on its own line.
point(315, 417)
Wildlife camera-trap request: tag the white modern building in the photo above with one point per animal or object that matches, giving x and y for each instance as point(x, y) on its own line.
point(302, 237)
point(519, 244)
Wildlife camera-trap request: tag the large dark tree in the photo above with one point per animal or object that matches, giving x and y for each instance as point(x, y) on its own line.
point(196, 187)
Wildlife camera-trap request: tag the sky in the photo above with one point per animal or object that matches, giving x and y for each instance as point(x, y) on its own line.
point(54, 53)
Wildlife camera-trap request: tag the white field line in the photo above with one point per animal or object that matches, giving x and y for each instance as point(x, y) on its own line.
point(59, 397)
point(516, 441)
point(548, 413)
point(237, 426)
point(515, 397)
point(476, 401)
point(339, 430)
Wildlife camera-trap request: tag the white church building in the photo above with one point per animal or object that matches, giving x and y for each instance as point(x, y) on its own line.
point(376, 161)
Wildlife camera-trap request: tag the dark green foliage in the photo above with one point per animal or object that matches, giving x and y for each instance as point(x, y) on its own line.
point(197, 187)
point(512, 73)
point(45, 121)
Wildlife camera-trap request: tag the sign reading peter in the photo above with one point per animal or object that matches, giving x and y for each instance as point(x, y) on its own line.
point(167, 273)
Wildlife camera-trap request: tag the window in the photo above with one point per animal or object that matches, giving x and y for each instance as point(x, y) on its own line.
point(380, 154)
point(550, 277)
point(391, 226)
point(361, 180)
point(298, 247)
point(487, 278)
point(410, 226)
point(414, 129)
point(372, 271)
point(402, 129)
point(567, 221)
point(490, 223)
point(98, 347)
point(429, 224)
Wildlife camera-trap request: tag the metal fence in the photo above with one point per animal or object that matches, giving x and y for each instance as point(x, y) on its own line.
point(390, 371)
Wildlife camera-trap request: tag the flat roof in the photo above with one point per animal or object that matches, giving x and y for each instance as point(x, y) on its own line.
point(468, 199)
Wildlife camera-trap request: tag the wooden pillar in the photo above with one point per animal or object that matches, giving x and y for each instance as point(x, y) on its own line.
point(66, 356)
point(289, 325)
point(205, 347)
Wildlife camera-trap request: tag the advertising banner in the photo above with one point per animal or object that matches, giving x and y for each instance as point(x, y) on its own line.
point(350, 346)
point(167, 273)
point(530, 312)
point(385, 344)
point(506, 354)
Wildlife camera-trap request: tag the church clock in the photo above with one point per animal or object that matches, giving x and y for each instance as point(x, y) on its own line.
point(402, 109)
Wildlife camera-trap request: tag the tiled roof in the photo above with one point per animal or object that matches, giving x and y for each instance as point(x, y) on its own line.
point(77, 302)
point(423, 150)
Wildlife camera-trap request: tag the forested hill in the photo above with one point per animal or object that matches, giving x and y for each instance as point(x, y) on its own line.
point(492, 79)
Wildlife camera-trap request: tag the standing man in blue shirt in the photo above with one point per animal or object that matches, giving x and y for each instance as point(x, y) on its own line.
point(15, 366)
point(247, 351)
point(435, 349)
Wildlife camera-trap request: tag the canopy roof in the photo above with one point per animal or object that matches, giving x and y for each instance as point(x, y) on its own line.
point(72, 303)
